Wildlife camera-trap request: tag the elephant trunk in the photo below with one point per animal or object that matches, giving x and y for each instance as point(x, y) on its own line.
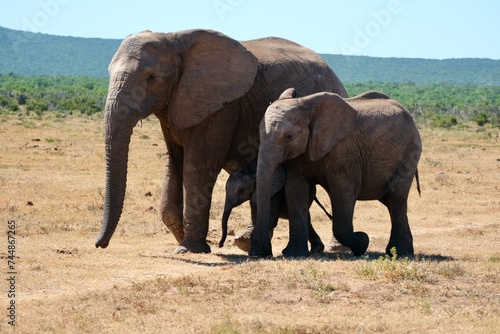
point(261, 243)
point(118, 130)
point(228, 207)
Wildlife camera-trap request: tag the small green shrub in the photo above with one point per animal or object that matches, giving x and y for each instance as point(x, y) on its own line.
point(481, 118)
point(443, 121)
point(9, 104)
point(393, 269)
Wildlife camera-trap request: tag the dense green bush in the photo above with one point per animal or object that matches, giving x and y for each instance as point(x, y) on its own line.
point(440, 105)
point(442, 121)
point(7, 103)
point(443, 105)
point(481, 118)
point(69, 94)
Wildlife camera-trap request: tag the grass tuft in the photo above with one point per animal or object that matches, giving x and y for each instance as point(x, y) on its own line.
point(393, 269)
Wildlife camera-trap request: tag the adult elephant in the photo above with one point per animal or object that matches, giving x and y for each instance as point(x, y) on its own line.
point(362, 148)
point(209, 93)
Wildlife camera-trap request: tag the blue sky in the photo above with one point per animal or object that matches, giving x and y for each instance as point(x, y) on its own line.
point(383, 28)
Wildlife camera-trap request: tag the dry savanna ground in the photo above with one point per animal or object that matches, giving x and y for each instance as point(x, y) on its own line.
point(52, 184)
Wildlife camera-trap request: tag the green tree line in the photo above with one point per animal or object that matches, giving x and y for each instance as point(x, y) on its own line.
point(463, 71)
point(442, 105)
point(63, 94)
point(30, 53)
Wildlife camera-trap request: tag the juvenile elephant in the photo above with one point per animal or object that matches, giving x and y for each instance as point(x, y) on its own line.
point(240, 187)
point(209, 93)
point(362, 148)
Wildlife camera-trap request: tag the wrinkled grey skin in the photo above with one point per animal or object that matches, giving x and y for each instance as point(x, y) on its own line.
point(362, 148)
point(240, 187)
point(209, 93)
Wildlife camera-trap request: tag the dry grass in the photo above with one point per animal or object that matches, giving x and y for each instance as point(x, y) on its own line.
point(52, 182)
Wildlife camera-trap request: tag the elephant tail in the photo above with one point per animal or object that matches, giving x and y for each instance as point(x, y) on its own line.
point(322, 207)
point(418, 182)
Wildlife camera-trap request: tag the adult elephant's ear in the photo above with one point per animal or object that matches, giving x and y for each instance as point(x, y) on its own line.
point(215, 70)
point(331, 120)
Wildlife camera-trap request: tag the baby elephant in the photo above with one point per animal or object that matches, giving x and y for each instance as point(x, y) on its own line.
point(240, 187)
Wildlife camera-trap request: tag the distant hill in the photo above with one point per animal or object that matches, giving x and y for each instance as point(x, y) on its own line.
point(472, 71)
point(34, 54)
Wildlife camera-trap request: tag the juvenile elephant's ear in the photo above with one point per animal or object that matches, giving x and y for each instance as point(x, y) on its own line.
point(215, 70)
point(332, 119)
point(289, 93)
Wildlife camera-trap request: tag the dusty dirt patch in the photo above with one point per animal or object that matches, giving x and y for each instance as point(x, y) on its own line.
point(52, 183)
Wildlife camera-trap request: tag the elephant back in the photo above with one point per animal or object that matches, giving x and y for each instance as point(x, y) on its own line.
point(305, 69)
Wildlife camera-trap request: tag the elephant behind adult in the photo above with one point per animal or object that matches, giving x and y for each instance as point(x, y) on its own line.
point(240, 187)
point(209, 93)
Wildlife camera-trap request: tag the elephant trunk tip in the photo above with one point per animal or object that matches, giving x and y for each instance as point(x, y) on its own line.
point(101, 244)
point(225, 217)
point(102, 241)
point(222, 240)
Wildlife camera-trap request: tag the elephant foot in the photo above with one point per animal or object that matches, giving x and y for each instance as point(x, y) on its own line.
point(293, 250)
point(405, 249)
point(243, 244)
point(335, 246)
point(181, 250)
point(242, 240)
point(317, 247)
point(361, 243)
point(193, 247)
point(175, 227)
point(294, 253)
point(258, 251)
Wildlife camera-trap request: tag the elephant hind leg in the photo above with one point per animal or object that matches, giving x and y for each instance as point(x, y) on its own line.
point(172, 202)
point(401, 237)
point(171, 195)
point(317, 245)
point(171, 215)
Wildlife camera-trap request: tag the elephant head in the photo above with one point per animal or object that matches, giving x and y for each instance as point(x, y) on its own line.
point(240, 187)
point(183, 78)
point(291, 127)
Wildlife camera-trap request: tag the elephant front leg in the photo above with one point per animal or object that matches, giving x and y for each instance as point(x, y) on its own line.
point(343, 209)
point(343, 201)
point(198, 185)
point(297, 190)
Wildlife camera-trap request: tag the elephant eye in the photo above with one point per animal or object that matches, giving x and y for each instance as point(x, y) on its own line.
point(288, 137)
point(150, 80)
